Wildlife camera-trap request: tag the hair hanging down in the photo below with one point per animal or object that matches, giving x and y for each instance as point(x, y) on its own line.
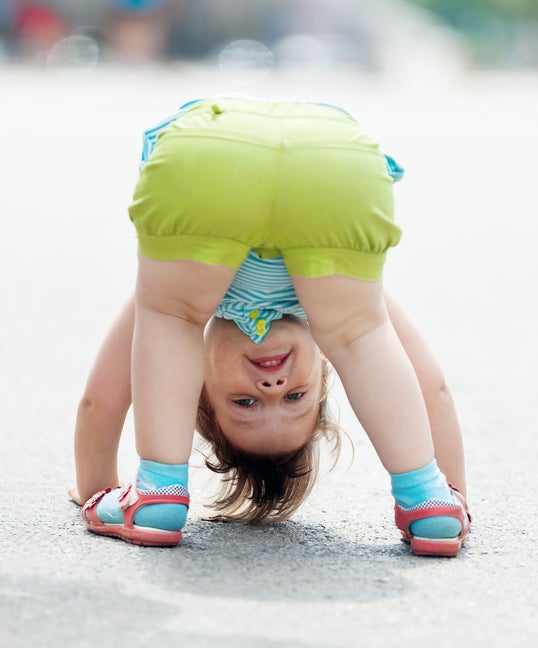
point(265, 489)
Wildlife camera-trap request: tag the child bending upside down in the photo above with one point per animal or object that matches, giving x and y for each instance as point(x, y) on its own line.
point(262, 230)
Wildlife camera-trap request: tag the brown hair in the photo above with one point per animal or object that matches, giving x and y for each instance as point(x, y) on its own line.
point(267, 488)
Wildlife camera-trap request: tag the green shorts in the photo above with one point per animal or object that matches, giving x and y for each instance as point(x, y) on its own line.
point(299, 180)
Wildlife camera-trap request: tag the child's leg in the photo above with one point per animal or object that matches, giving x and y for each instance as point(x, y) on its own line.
point(445, 427)
point(349, 321)
point(174, 301)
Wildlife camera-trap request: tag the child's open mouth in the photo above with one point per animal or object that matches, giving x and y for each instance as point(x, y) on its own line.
point(270, 363)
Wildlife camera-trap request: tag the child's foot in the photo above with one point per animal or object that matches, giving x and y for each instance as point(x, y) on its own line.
point(152, 512)
point(435, 528)
point(431, 515)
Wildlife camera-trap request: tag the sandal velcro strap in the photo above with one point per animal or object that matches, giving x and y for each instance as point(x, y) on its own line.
point(97, 497)
point(458, 495)
point(132, 499)
point(88, 510)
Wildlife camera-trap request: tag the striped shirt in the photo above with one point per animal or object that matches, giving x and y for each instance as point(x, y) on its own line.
point(262, 290)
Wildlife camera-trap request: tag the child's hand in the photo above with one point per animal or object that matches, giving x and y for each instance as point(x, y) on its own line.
point(74, 495)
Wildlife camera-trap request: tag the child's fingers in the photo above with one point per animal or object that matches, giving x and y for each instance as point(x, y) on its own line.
point(74, 495)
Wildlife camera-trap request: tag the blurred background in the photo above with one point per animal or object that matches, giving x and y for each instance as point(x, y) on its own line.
point(367, 35)
point(448, 87)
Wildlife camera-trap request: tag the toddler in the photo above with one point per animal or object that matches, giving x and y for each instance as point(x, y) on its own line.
point(266, 224)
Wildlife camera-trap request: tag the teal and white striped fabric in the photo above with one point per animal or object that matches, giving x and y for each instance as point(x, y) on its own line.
point(150, 137)
point(261, 292)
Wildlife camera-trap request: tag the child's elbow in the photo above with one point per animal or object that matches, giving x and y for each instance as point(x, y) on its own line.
point(96, 403)
point(435, 388)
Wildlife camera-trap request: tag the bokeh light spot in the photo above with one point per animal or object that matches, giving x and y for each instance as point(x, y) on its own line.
point(81, 52)
point(246, 60)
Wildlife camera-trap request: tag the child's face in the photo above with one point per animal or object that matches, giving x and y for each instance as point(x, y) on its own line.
point(265, 396)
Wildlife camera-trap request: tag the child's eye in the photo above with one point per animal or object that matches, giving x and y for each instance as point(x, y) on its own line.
point(245, 402)
point(294, 396)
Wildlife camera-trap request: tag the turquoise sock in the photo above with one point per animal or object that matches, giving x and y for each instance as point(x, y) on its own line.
point(151, 476)
point(418, 486)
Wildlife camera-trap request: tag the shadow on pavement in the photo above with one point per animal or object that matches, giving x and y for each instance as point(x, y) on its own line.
point(292, 560)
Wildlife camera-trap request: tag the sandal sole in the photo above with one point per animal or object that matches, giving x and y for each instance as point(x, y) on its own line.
point(137, 536)
point(442, 548)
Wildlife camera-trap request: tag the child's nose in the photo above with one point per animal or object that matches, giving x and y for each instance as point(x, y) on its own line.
point(272, 384)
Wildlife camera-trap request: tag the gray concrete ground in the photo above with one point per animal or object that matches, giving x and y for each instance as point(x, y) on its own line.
point(336, 576)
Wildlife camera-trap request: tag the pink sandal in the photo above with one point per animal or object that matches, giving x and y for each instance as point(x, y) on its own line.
point(130, 500)
point(448, 547)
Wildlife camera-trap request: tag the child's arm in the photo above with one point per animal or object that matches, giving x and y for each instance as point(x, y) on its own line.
point(102, 410)
point(442, 414)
